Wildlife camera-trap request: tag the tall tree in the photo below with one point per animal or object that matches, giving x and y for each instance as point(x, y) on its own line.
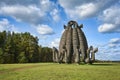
point(22, 48)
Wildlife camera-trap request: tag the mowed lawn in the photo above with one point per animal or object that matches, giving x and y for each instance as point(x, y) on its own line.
point(55, 71)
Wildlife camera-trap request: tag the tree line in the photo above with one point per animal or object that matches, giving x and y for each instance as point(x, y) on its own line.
point(22, 48)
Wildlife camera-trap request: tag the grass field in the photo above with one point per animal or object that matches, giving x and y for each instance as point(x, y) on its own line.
point(54, 71)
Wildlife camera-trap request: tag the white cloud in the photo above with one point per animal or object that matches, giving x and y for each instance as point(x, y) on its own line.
point(81, 9)
point(44, 29)
point(111, 20)
point(108, 28)
point(86, 10)
point(30, 11)
point(5, 25)
point(109, 51)
point(55, 43)
point(30, 14)
point(55, 15)
point(114, 43)
point(46, 5)
point(111, 15)
point(114, 40)
point(23, 2)
point(78, 11)
point(108, 55)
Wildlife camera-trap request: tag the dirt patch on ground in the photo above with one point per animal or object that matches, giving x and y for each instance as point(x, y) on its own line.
point(18, 69)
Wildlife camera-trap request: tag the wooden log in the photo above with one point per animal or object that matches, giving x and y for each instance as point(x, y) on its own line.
point(83, 43)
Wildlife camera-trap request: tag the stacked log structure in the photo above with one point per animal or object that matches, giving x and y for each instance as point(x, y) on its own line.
point(73, 47)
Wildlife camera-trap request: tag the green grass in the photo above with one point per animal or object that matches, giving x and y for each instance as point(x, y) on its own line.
point(54, 71)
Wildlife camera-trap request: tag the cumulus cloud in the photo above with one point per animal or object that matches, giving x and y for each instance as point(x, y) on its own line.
point(32, 12)
point(115, 40)
point(44, 29)
point(108, 55)
point(111, 20)
point(109, 51)
point(5, 25)
point(114, 43)
point(107, 11)
point(55, 15)
point(46, 5)
point(108, 28)
point(111, 15)
point(55, 43)
point(24, 2)
point(81, 9)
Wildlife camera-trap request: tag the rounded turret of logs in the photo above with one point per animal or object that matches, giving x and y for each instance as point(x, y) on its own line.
point(73, 47)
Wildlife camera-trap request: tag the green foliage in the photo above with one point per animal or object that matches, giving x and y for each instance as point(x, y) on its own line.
point(46, 54)
point(53, 71)
point(22, 58)
point(22, 48)
point(8, 58)
point(1, 56)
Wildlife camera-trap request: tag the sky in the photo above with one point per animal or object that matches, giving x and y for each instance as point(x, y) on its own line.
point(45, 19)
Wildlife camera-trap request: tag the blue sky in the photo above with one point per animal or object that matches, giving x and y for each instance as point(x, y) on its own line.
point(45, 19)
